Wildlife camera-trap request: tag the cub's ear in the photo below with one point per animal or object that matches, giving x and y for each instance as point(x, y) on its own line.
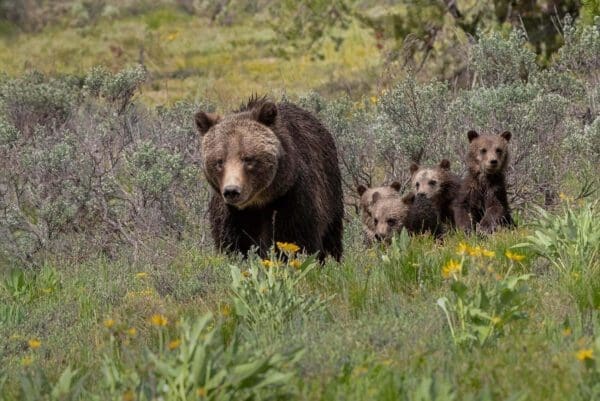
point(267, 113)
point(472, 135)
point(408, 199)
point(506, 135)
point(375, 198)
point(395, 186)
point(361, 189)
point(445, 164)
point(413, 168)
point(204, 121)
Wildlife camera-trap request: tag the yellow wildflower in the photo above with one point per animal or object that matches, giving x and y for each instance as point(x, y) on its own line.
point(26, 361)
point(288, 247)
point(128, 396)
point(132, 331)
point(34, 343)
point(462, 249)
point(374, 99)
point(584, 354)
point(515, 257)
point(159, 320)
point(201, 392)
point(172, 36)
point(477, 251)
point(566, 332)
point(108, 323)
point(295, 264)
point(451, 268)
point(174, 344)
point(496, 320)
point(141, 275)
point(487, 253)
point(246, 273)
point(226, 310)
point(268, 263)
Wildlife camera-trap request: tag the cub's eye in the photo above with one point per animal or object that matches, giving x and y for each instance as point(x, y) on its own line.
point(432, 183)
point(417, 185)
point(482, 151)
point(219, 164)
point(499, 151)
point(391, 222)
point(369, 214)
point(375, 221)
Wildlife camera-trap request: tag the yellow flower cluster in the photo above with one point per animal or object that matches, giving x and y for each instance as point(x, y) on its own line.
point(108, 323)
point(451, 268)
point(34, 343)
point(174, 344)
point(295, 263)
point(268, 263)
point(477, 251)
point(515, 257)
point(158, 320)
point(288, 247)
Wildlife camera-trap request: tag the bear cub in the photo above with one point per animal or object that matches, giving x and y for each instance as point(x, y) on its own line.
point(274, 172)
point(439, 185)
point(482, 202)
point(366, 204)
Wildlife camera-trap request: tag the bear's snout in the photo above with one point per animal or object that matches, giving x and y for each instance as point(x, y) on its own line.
point(232, 193)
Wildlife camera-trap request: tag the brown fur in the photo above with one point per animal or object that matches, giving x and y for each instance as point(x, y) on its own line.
point(366, 205)
point(437, 184)
point(482, 203)
point(416, 214)
point(275, 176)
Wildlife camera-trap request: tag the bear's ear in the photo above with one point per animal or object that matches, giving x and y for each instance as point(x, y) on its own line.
point(472, 135)
point(395, 186)
point(267, 114)
point(413, 168)
point(376, 197)
point(204, 121)
point(506, 135)
point(445, 164)
point(408, 199)
point(361, 189)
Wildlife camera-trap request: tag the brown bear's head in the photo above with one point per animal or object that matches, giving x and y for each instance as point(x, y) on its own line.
point(241, 154)
point(488, 154)
point(389, 215)
point(367, 196)
point(429, 181)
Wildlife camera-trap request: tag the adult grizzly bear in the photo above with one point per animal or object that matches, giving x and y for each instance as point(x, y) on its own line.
point(275, 175)
point(439, 185)
point(482, 202)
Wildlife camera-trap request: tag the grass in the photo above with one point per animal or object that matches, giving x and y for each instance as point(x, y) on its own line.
point(185, 56)
point(381, 335)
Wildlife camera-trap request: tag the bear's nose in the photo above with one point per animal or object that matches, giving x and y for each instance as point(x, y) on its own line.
point(231, 192)
point(493, 162)
point(378, 237)
point(421, 194)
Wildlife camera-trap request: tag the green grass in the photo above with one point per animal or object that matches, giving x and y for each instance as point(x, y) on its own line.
point(186, 57)
point(381, 335)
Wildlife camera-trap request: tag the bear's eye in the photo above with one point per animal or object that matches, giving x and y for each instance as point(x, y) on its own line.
point(499, 151)
point(391, 222)
point(417, 185)
point(375, 221)
point(219, 164)
point(432, 183)
point(249, 161)
point(482, 151)
point(369, 214)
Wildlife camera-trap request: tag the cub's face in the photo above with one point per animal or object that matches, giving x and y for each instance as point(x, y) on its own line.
point(367, 196)
point(241, 157)
point(427, 181)
point(490, 152)
point(388, 217)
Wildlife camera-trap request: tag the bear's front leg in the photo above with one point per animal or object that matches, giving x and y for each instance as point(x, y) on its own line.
point(494, 211)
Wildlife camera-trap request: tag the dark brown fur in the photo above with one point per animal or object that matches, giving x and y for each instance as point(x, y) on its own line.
point(482, 203)
point(442, 193)
point(296, 196)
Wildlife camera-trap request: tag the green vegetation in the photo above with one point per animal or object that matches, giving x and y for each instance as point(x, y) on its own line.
point(109, 285)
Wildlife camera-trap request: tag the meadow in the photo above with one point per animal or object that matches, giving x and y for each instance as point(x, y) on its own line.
point(109, 285)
